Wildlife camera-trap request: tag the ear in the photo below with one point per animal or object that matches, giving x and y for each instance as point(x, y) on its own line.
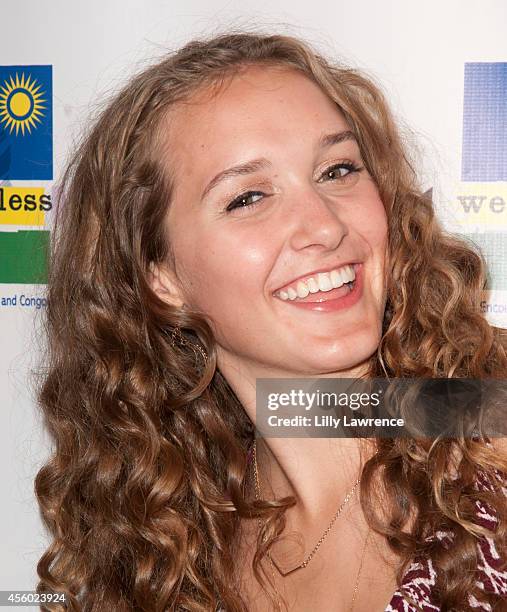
point(164, 283)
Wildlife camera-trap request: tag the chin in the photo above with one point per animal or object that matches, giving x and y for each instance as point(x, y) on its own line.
point(350, 360)
point(350, 368)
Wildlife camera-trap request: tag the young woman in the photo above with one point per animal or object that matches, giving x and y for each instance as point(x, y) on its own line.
point(203, 222)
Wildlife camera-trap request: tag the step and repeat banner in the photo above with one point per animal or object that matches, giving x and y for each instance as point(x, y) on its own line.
point(444, 69)
point(26, 170)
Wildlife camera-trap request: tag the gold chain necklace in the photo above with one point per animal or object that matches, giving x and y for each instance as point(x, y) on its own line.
point(321, 539)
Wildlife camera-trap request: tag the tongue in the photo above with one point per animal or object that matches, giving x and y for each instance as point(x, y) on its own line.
point(322, 296)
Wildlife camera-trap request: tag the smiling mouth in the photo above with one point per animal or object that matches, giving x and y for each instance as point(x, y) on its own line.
point(321, 287)
point(325, 296)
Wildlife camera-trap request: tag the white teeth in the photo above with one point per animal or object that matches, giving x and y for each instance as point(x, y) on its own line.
point(325, 281)
point(312, 285)
point(302, 290)
point(348, 273)
point(336, 278)
point(344, 276)
point(292, 294)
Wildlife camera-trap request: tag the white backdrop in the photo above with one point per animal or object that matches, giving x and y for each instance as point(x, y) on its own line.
point(417, 51)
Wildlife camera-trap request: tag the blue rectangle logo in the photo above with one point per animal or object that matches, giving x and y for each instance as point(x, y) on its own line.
point(26, 123)
point(485, 122)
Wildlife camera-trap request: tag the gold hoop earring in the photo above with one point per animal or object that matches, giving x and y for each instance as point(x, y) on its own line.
point(178, 339)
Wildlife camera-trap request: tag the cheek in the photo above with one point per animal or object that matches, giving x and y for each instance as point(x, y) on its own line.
point(223, 269)
point(370, 220)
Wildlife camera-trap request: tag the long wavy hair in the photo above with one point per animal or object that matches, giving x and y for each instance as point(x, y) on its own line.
point(145, 491)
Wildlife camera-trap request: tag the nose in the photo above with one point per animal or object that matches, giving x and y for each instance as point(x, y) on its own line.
point(315, 221)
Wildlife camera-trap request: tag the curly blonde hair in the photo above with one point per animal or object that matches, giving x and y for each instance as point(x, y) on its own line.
point(144, 493)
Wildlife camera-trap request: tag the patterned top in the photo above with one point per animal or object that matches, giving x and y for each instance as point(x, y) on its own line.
point(420, 578)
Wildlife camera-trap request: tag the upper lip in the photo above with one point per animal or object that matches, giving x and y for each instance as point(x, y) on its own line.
point(307, 275)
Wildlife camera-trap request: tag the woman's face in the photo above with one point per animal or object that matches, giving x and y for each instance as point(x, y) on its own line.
point(295, 209)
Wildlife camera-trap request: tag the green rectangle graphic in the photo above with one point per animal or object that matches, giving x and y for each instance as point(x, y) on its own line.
point(23, 256)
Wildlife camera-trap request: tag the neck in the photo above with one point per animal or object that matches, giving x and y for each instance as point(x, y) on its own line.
point(318, 472)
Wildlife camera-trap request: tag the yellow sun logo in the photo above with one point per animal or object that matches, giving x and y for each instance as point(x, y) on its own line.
point(21, 104)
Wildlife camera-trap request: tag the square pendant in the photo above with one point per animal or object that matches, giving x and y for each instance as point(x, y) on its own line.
point(286, 568)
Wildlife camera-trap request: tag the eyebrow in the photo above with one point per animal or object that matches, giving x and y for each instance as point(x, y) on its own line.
point(254, 165)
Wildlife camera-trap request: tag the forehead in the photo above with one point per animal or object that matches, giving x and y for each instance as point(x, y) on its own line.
point(277, 102)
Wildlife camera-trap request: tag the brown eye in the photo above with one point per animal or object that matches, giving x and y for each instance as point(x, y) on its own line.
point(335, 168)
point(241, 201)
